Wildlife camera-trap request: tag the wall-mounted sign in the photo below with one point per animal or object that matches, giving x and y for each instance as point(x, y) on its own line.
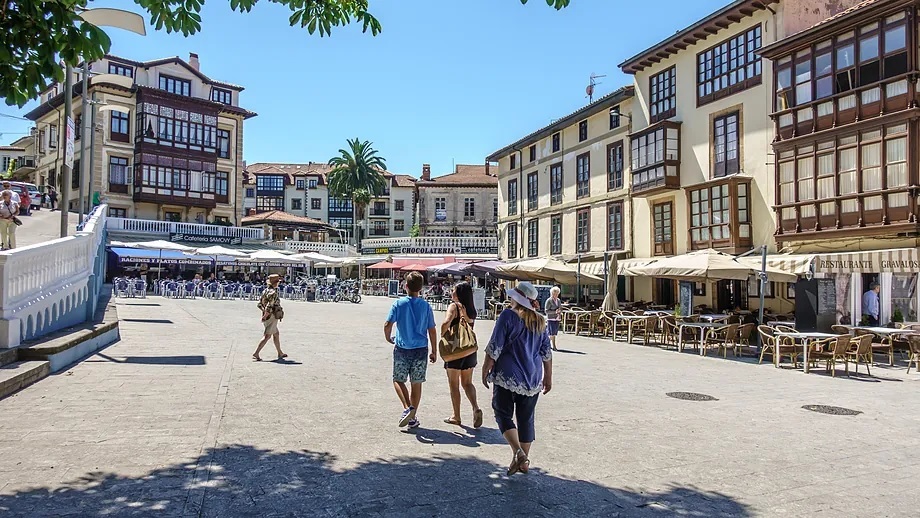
point(197, 238)
point(440, 214)
point(414, 250)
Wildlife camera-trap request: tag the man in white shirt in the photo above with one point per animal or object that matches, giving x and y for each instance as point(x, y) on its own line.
point(15, 197)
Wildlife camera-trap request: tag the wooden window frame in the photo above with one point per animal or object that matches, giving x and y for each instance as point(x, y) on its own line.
point(114, 133)
point(663, 247)
point(556, 142)
point(663, 94)
point(583, 240)
point(726, 166)
point(513, 197)
point(296, 204)
point(533, 237)
point(583, 175)
point(222, 96)
point(583, 130)
point(702, 215)
point(223, 136)
point(118, 68)
point(512, 239)
point(316, 204)
point(532, 151)
point(556, 184)
point(555, 234)
point(165, 81)
point(614, 117)
point(513, 162)
point(612, 231)
point(615, 166)
point(733, 62)
point(533, 191)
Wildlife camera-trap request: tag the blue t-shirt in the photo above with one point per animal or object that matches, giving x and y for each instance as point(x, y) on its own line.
point(413, 318)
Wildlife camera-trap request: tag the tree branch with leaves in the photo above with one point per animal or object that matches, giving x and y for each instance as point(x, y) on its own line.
point(35, 35)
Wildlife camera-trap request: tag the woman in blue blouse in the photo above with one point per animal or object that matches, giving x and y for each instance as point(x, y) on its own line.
point(519, 362)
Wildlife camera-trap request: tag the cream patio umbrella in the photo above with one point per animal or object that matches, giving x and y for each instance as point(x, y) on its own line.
point(547, 269)
point(220, 250)
point(708, 265)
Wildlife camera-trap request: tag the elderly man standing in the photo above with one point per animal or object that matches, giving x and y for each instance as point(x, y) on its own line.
point(870, 304)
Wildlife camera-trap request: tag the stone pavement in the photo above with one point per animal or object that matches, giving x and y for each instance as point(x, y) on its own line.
point(43, 225)
point(177, 420)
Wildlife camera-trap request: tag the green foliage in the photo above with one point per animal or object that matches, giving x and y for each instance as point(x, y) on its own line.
point(357, 173)
point(898, 315)
point(35, 35)
point(9, 170)
point(415, 231)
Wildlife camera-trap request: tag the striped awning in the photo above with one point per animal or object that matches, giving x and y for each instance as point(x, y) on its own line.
point(897, 260)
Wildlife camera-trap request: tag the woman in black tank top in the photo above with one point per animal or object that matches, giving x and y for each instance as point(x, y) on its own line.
point(460, 372)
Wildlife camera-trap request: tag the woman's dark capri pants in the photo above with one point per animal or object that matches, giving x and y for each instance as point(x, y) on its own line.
point(508, 405)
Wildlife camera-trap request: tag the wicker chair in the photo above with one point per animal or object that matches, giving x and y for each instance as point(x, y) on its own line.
point(861, 351)
point(839, 345)
point(723, 338)
point(643, 328)
point(884, 345)
point(745, 335)
point(913, 341)
point(840, 330)
point(604, 324)
point(770, 344)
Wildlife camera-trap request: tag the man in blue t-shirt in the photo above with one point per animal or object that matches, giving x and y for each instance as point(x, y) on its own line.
point(415, 330)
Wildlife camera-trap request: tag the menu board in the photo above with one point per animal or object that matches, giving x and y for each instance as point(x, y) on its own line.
point(827, 297)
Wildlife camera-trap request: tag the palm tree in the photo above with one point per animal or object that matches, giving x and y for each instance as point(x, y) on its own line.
point(357, 174)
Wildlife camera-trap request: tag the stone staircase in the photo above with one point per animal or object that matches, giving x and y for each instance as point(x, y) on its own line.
point(16, 375)
point(24, 365)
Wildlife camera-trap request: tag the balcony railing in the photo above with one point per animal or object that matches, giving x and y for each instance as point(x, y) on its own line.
point(887, 96)
point(379, 232)
point(330, 249)
point(431, 245)
point(380, 211)
point(152, 227)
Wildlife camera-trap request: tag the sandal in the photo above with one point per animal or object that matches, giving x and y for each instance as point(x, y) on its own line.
point(282, 356)
point(525, 466)
point(520, 458)
point(477, 418)
point(451, 420)
point(256, 358)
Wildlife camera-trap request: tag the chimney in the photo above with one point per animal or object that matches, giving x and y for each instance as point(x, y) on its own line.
point(426, 172)
point(487, 169)
point(193, 61)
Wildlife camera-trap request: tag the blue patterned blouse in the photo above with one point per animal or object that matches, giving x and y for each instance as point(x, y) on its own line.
point(519, 355)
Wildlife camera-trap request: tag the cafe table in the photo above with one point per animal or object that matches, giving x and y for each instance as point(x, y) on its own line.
point(702, 326)
point(886, 333)
point(715, 318)
point(806, 338)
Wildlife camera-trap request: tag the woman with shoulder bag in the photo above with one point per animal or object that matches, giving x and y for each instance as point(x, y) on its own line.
point(272, 313)
point(460, 371)
point(8, 220)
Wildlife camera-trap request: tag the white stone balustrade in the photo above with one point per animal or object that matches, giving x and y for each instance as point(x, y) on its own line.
point(478, 245)
point(52, 285)
point(330, 249)
point(148, 226)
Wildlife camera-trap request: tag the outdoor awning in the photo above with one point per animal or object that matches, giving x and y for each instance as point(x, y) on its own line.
point(548, 269)
point(896, 260)
point(139, 255)
point(384, 265)
point(623, 266)
point(708, 265)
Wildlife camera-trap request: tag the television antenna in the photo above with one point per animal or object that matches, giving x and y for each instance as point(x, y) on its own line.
point(592, 83)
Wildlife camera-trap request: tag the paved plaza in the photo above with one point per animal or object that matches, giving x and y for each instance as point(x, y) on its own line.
point(177, 420)
point(43, 225)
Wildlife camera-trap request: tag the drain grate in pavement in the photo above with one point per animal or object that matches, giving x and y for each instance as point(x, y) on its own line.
point(832, 410)
point(691, 396)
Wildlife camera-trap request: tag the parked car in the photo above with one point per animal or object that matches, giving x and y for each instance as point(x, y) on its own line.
point(25, 199)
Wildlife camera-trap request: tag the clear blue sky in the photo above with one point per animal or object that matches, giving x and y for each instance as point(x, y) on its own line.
point(447, 80)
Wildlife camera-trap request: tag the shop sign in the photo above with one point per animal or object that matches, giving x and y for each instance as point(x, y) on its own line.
point(447, 250)
point(198, 238)
point(440, 214)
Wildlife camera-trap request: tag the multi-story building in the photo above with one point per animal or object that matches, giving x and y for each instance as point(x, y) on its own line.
point(460, 204)
point(18, 157)
point(171, 149)
point(700, 144)
point(845, 173)
point(563, 190)
point(302, 190)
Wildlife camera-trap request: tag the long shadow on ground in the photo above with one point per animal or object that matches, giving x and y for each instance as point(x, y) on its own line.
point(246, 481)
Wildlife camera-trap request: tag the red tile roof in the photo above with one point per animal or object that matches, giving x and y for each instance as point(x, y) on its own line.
point(845, 12)
point(277, 217)
point(464, 175)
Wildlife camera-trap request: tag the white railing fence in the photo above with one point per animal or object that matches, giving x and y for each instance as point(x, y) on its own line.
point(149, 226)
point(432, 242)
point(330, 249)
point(52, 285)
